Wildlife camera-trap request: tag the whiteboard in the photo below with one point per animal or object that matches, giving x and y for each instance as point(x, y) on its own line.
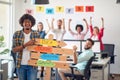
point(71, 43)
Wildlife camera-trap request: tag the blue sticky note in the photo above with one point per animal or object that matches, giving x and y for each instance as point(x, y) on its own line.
point(54, 57)
point(49, 10)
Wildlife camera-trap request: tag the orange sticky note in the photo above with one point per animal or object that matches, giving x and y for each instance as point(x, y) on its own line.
point(43, 49)
point(79, 8)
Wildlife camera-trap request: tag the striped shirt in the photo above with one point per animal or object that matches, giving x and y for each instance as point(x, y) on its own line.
point(18, 40)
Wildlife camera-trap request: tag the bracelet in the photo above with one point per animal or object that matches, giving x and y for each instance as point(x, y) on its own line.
point(23, 46)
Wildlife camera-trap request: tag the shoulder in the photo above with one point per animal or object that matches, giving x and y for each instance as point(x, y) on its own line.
point(18, 32)
point(43, 31)
point(34, 31)
point(89, 51)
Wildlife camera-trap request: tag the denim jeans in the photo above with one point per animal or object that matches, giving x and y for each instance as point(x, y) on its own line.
point(26, 72)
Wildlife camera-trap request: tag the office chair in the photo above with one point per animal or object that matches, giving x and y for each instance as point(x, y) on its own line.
point(109, 48)
point(87, 72)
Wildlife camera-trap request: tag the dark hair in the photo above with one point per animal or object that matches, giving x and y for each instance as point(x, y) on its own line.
point(40, 23)
point(27, 16)
point(60, 20)
point(79, 25)
point(90, 41)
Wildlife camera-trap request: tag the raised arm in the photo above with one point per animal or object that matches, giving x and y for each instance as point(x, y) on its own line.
point(63, 20)
point(90, 26)
point(48, 26)
point(102, 28)
point(69, 29)
point(52, 26)
point(102, 19)
point(90, 20)
point(86, 25)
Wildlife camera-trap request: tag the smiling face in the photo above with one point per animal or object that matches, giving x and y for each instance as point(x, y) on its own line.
point(79, 30)
point(59, 24)
point(95, 30)
point(40, 26)
point(27, 25)
point(88, 45)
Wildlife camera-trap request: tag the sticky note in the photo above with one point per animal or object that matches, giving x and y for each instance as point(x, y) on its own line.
point(49, 10)
point(48, 42)
point(29, 11)
point(43, 49)
point(69, 10)
point(59, 8)
point(54, 57)
point(79, 8)
point(89, 9)
point(45, 63)
point(39, 8)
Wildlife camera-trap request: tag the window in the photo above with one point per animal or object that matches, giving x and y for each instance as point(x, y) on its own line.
point(5, 26)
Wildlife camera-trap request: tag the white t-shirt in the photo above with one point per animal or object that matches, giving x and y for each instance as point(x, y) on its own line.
point(59, 33)
point(94, 37)
point(26, 53)
point(79, 36)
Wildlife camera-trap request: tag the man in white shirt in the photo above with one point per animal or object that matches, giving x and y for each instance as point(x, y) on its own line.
point(60, 31)
point(22, 39)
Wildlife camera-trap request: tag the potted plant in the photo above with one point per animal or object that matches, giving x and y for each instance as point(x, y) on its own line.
point(2, 44)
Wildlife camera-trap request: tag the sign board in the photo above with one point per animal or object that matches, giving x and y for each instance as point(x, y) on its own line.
point(49, 53)
point(50, 50)
point(47, 42)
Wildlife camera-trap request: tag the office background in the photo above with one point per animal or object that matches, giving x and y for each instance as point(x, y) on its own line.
point(102, 8)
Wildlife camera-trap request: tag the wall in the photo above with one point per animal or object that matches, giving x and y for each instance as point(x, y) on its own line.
point(103, 8)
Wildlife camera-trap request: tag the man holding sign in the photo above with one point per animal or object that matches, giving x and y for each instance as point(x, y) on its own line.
point(22, 39)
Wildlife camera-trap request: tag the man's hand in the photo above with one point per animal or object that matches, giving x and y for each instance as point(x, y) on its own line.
point(29, 43)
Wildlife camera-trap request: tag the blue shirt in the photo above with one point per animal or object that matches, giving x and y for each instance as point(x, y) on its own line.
point(42, 34)
point(83, 59)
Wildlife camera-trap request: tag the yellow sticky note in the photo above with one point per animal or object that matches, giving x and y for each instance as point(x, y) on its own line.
point(39, 8)
point(59, 8)
point(48, 42)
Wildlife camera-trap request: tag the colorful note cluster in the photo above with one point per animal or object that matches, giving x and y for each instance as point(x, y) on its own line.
point(62, 9)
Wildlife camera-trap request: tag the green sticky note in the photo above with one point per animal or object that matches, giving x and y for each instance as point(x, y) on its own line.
point(45, 63)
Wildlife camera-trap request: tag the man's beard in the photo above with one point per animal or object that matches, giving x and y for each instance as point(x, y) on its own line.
point(86, 48)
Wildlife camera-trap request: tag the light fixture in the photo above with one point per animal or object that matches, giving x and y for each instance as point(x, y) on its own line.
point(41, 1)
point(118, 1)
point(25, 1)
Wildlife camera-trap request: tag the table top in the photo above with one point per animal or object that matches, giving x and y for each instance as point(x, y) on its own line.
point(6, 58)
point(101, 61)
